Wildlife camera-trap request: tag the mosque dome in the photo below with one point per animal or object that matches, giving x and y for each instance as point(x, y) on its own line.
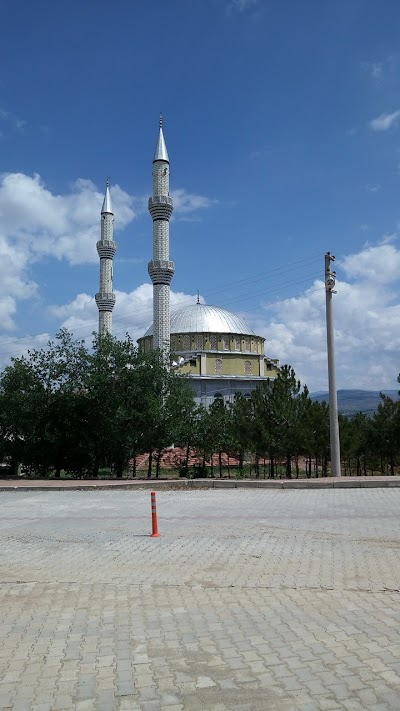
point(202, 318)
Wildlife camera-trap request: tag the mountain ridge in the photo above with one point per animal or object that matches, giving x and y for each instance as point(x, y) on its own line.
point(355, 400)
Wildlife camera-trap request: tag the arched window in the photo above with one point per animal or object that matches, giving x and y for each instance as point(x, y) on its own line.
point(247, 367)
point(247, 396)
point(237, 343)
point(186, 343)
point(218, 396)
point(213, 342)
point(218, 365)
point(247, 344)
point(199, 341)
point(225, 343)
point(173, 343)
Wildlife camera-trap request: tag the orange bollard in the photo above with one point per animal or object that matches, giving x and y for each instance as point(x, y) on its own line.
point(154, 519)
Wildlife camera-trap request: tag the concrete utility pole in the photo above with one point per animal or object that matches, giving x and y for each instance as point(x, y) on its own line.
point(330, 281)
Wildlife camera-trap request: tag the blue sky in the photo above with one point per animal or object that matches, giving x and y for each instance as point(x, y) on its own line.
point(282, 123)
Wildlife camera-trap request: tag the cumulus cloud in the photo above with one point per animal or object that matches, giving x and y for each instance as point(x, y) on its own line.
point(37, 222)
point(367, 324)
point(133, 312)
point(385, 121)
point(15, 347)
point(62, 226)
point(379, 264)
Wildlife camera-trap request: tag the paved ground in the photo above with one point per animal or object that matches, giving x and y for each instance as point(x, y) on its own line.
point(252, 600)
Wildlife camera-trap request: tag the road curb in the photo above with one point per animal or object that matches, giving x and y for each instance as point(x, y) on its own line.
point(196, 484)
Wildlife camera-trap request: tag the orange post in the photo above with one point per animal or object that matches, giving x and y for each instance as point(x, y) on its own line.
point(154, 519)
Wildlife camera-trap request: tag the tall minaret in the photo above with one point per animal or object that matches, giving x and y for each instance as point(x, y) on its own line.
point(106, 248)
point(161, 270)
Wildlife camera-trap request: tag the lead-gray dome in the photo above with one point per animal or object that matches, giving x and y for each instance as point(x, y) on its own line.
point(201, 318)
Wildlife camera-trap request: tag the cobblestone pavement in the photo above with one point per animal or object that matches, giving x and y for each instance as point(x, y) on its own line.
point(250, 601)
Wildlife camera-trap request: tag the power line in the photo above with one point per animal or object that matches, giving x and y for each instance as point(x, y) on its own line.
point(147, 311)
point(272, 303)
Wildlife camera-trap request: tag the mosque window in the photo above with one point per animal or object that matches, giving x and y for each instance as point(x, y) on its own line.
point(237, 344)
point(247, 367)
point(186, 342)
point(218, 365)
point(213, 342)
point(199, 341)
point(225, 343)
point(247, 344)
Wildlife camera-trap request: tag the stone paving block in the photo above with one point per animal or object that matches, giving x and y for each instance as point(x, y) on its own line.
point(276, 595)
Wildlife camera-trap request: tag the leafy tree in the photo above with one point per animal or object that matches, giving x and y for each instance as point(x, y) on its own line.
point(386, 422)
point(240, 427)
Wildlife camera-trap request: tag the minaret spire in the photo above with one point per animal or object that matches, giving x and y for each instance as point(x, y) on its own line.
point(106, 248)
point(161, 269)
point(161, 152)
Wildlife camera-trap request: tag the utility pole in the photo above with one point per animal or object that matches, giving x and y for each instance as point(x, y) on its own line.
point(330, 281)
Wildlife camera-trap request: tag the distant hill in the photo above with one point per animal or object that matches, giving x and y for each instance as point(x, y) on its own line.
point(352, 401)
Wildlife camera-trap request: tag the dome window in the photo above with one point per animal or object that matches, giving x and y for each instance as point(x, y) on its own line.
point(199, 341)
point(225, 343)
point(237, 343)
point(247, 344)
point(213, 342)
point(186, 343)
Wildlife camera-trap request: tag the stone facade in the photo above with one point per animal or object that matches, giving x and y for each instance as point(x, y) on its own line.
point(161, 269)
point(106, 248)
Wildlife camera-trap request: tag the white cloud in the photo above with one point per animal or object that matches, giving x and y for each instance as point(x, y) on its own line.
point(372, 188)
point(187, 203)
point(12, 120)
point(378, 264)
point(133, 312)
point(374, 69)
point(62, 226)
point(15, 281)
point(241, 5)
point(367, 324)
point(14, 347)
point(36, 222)
point(385, 121)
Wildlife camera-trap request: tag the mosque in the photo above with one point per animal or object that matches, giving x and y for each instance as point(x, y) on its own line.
point(216, 348)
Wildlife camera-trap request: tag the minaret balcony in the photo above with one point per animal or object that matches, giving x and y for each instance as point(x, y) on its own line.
point(161, 207)
point(161, 271)
point(105, 301)
point(106, 249)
